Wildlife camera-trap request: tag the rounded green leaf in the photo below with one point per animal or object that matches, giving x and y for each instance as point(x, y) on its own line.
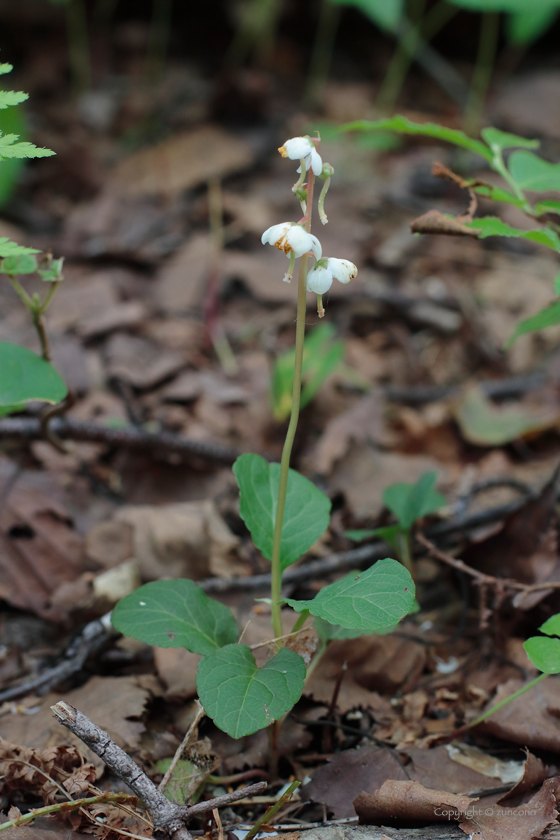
point(544, 653)
point(410, 502)
point(306, 515)
point(26, 377)
point(533, 173)
point(369, 601)
point(242, 698)
point(551, 626)
point(175, 614)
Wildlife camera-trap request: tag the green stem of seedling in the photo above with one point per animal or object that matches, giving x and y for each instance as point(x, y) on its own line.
point(321, 57)
point(21, 293)
point(78, 45)
point(272, 811)
point(276, 569)
point(404, 551)
point(402, 59)
point(487, 46)
point(501, 704)
point(72, 805)
point(158, 39)
point(300, 621)
point(319, 653)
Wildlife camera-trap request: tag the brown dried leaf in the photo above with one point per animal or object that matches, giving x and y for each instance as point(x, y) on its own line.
point(532, 721)
point(534, 774)
point(363, 422)
point(406, 803)
point(182, 162)
point(436, 222)
point(494, 821)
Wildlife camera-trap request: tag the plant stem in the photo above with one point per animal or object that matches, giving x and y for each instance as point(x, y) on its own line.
point(266, 817)
point(78, 45)
point(158, 38)
point(301, 619)
point(402, 59)
point(405, 554)
point(321, 650)
point(329, 17)
point(71, 805)
point(276, 569)
point(487, 46)
point(502, 703)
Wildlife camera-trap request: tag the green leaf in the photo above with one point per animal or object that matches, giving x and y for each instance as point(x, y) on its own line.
point(11, 97)
point(174, 614)
point(52, 274)
point(242, 698)
point(10, 249)
point(533, 173)
point(551, 626)
point(510, 6)
point(10, 149)
point(484, 424)
point(492, 226)
point(498, 194)
point(548, 317)
point(306, 515)
point(384, 13)
point(548, 206)
point(13, 120)
point(359, 534)
point(525, 27)
point(321, 357)
point(368, 601)
point(410, 502)
point(439, 132)
point(328, 632)
point(26, 377)
point(19, 264)
point(184, 780)
point(499, 140)
point(544, 653)
point(6, 68)
point(556, 284)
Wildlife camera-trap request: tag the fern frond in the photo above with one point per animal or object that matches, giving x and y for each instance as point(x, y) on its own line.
point(11, 249)
point(9, 148)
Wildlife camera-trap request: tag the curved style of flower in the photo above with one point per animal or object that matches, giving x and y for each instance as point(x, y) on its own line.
point(303, 148)
point(320, 278)
point(294, 241)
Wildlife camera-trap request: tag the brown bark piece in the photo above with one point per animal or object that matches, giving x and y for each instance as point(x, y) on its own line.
point(406, 803)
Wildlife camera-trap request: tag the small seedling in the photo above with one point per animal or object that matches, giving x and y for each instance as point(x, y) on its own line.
point(25, 376)
point(523, 172)
point(408, 502)
point(544, 653)
point(285, 514)
point(322, 356)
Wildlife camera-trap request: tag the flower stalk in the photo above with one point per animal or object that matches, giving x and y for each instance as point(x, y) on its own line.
point(276, 570)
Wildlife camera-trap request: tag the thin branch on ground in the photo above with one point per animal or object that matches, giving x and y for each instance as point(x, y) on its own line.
point(170, 820)
point(183, 746)
point(482, 578)
point(129, 437)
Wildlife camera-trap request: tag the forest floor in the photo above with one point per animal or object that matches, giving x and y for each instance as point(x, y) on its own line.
point(169, 342)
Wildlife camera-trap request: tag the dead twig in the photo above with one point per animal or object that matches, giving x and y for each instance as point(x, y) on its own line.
point(170, 820)
point(481, 578)
point(65, 428)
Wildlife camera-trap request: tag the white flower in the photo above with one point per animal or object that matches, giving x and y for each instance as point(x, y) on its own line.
point(299, 148)
point(292, 238)
point(320, 278)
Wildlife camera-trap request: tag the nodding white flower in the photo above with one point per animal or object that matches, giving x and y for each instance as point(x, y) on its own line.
point(320, 278)
point(292, 238)
point(299, 148)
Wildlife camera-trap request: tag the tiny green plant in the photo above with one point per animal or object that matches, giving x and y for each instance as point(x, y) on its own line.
point(408, 503)
point(544, 653)
point(524, 174)
point(25, 376)
point(322, 356)
point(285, 514)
